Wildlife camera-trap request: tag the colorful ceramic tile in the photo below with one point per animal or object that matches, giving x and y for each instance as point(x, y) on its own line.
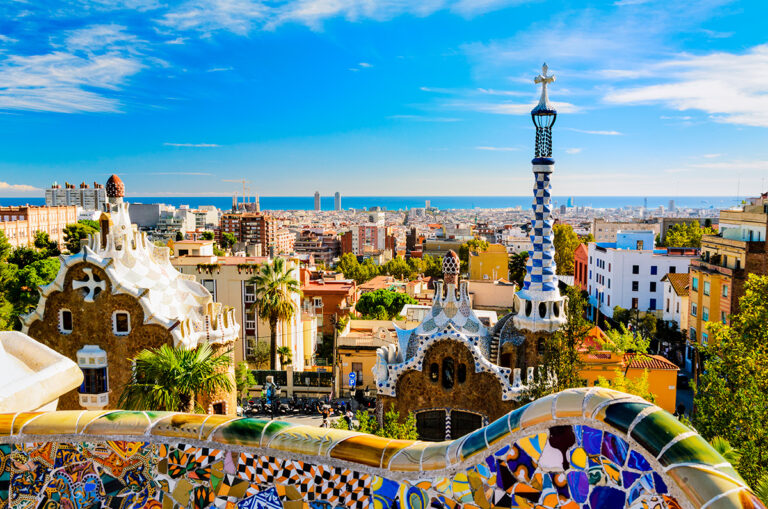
point(656, 430)
point(179, 425)
point(538, 411)
point(693, 449)
point(621, 415)
point(434, 456)
point(699, 485)
point(52, 423)
point(120, 422)
point(569, 404)
point(21, 419)
point(365, 449)
point(409, 458)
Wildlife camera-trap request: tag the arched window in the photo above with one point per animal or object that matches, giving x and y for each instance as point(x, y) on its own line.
point(121, 323)
point(65, 321)
point(542, 309)
point(528, 308)
point(434, 372)
point(461, 374)
point(448, 373)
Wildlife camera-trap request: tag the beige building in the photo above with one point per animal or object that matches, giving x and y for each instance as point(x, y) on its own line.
point(494, 295)
point(605, 231)
point(20, 224)
point(357, 345)
point(226, 277)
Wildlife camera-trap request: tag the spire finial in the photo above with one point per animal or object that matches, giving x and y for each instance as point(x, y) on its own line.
point(544, 79)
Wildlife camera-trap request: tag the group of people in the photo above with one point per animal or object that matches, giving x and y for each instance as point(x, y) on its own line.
point(346, 414)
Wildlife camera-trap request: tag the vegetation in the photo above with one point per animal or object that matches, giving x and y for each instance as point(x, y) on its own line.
point(75, 232)
point(517, 269)
point(646, 323)
point(397, 267)
point(170, 378)
point(286, 356)
point(207, 235)
point(382, 304)
point(228, 240)
point(274, 287)
point(734, 372)
point(259, 356)
point(623, 341)
point(471, 246)
point(392, 428)
point(686, 235)
point(244, 379)
point(638, 387)
point(566, 241)
point(586, 239)
point(179, 235)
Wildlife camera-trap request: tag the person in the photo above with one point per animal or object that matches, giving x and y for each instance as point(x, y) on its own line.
point(348, 418)
point(271, 389)
point(324, 413)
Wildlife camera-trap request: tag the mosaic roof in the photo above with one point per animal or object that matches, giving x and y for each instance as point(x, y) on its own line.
point(581, 448)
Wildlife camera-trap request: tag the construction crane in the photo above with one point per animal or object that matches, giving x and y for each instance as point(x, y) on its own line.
point(246, 187)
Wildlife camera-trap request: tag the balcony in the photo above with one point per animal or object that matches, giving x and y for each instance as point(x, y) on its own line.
point(714, 268)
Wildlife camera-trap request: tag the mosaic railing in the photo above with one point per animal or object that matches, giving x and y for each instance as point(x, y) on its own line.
point(579, 448)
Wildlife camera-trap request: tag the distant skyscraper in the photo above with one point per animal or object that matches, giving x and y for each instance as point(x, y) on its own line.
point(336, 201)
point(427, 204)
point(570, 201)
point(645, 203)
point(671, 205)
point(317, 200)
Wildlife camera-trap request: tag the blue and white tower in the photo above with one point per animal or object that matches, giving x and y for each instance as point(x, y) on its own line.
point(540, 306)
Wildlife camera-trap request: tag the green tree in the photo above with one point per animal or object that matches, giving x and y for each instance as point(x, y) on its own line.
point(228, 240)
point(179, 236)
point(433, 266)
point(566, 241)
point(517, 271)
point(286, 356)
point(731, 397)
point(360, 272)
point(259, 353)
point(417, 266)
point(74, 233)
point(91, 223)
point(24, 256)
point(624, 341)
point(244, 379)
point(21, 290)
point(274, 288)
point(171, 378)
point(726, 450)
point(686, 235)
point(207, 235)
point(5, 247)
point(45, 245)
point(392, 428)
point(620, 382)
point(382, 304)
point(586, 239)
point(398, 267)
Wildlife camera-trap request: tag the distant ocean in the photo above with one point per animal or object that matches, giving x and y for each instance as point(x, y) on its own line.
point(409, 202)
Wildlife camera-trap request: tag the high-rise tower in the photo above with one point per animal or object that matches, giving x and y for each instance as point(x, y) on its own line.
point(337, 201)
point(317, 200)
point(541, 307)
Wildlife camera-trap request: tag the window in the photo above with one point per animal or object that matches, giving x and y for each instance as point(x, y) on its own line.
point(94, 381)
point(609, 282)
point(317, 302)
point(725, 290)
point(121, 323)
point(609, 301)
point(672, 270)
point(694, 309)
point(635, 286)
point(695, 284)
point(704, 338)
point(706, 287)
point(723, 317)
point(461, 373)
point(654, 270)
point(667, 305)
point(448, 373)
point(210, 285)
point(590, 260)
point(652, 306)
point(693, 334)
point(635, 269)
point(357, 367)
point(635, 302)
point(540, 346)
point(705, 313)
point(590, 274)
point(653, 286)
point(677, 307)
point(65, 321)
point(609, 266)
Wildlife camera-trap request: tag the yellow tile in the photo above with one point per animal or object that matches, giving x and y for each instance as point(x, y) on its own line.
point(120, 422)
point(537, 412)
point(179, 425)
point(299, 440)
point(211, 423)
point(393, 447)
point(598, 396)
point(737, 499)
point(87, 416)
point(409, 459)
point(699, 485)
point(434, 456)
point(21, 419)
point(331, 438)
point(6, 420)
point(365, 449)
point(63, 422)
point(569, 403)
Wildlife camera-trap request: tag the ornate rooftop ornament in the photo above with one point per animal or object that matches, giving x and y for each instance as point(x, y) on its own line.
point(544, 115)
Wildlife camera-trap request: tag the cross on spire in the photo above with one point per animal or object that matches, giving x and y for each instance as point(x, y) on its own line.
point(544, 79)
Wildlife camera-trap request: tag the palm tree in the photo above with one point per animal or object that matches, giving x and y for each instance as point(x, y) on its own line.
point(517, 264)
point(274, 286)
point(286, 355)
point(169, 378)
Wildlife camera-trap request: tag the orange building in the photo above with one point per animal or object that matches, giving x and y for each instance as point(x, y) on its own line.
point(328, 298)
point(20, 224)
point(580, 262)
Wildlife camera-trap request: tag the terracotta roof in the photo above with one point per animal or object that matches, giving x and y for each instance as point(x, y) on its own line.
point(679, 281)
point(649, 362)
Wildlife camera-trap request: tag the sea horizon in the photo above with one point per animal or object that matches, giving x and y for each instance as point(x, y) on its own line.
point(394, 203)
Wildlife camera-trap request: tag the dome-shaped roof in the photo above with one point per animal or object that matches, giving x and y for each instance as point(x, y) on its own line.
point(451, 263)
point(115, 187)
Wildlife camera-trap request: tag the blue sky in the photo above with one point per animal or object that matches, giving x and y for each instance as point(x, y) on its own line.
point(383, 97)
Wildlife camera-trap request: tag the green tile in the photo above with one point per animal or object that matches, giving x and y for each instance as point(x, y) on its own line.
point(497, 429)
point(273, 428)
point(656, 430)
point(621, 415)
point(473, 444)
point(693, 449)
point(514, 417)
point(241, 432)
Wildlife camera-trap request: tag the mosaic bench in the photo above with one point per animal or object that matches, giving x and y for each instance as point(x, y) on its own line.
point(588, 447)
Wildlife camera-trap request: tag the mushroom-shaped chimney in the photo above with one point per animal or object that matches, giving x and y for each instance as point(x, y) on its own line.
point(115, 187)
point(451, 267)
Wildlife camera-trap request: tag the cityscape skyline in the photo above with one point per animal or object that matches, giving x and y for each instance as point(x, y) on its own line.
point(181, 98)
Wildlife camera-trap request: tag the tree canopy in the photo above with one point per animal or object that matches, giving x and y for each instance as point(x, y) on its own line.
point(75, 232)
point(382, 304)
point(566, 241)
point(207, 235)
point(686, 235)
point(731, 398)
point(517, 270)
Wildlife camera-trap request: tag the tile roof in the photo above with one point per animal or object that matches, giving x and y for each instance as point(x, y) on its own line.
point(649, 362)
point(679, 281)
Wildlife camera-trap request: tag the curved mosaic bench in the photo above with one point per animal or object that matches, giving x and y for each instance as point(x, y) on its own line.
point(579, 448)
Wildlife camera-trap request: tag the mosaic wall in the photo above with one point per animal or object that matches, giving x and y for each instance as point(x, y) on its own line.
point(585, 448)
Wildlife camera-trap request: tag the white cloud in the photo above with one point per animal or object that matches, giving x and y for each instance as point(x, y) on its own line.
point(237, 16)
point(601, 133)
point(18, 188)
point(220, 69)
point(365, 64)
point(711, 156)
point(731, 88)
point(195, 145)
point(507, 108)
point(573, 150)
point(96, 38)
point(498, 149)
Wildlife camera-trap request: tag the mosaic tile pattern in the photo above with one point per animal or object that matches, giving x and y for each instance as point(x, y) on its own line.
point(582, 448)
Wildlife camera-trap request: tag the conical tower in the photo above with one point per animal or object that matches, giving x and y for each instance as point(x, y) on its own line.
point(541, 307)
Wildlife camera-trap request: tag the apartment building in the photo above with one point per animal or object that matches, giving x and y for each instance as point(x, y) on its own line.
point(21, 224)
point(628, 273)
point(256, 228)
point(321, 245)
point(83, 196)
point(717, 279)
point(606, 231)
point(328, 298)
point(368, 238)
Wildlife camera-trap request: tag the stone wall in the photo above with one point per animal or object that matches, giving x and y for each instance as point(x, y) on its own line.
point(580, 448)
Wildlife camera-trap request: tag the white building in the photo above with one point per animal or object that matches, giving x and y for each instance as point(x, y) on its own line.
point(84, 196)
point(628, 272)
